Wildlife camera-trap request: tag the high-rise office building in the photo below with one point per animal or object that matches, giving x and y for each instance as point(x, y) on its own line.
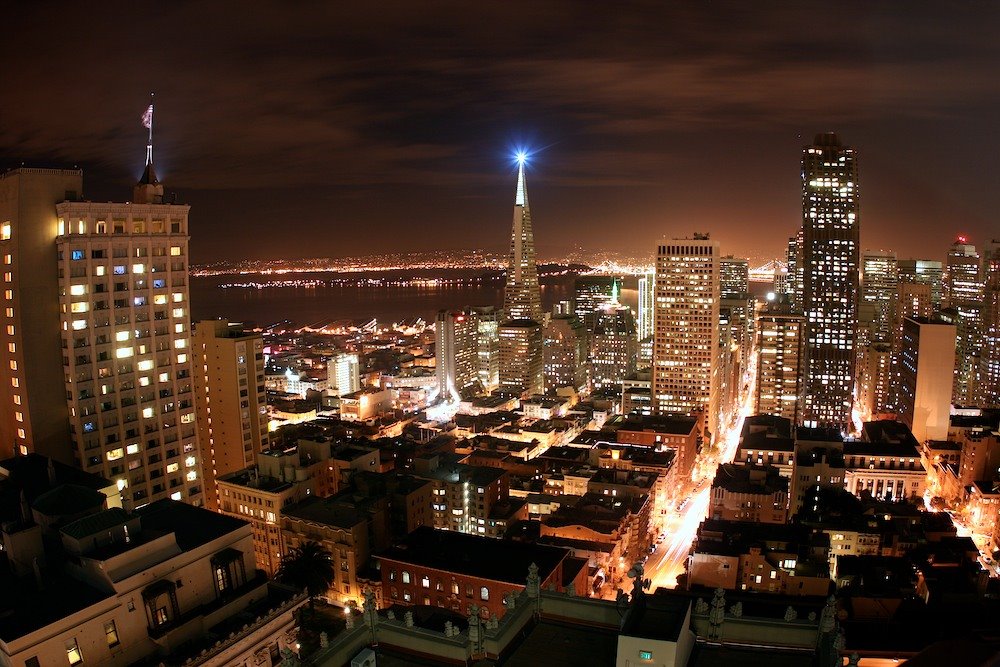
point(126, 340)
point(925, 272)
point(686, 341)
point(521, 362)
point(457, 354)
point(590, 295)
point(615, 348)
point(829, 258)
point(230, 400)
point(734, 277)
point(964, 292)
point(34, 416)
point(566, 349)
point(343, 372)
point(990, 351)
point(927, 359)
point(647, 291)
point(878, 291)
point(780, 357)
point(793, 276)
point(488, 320)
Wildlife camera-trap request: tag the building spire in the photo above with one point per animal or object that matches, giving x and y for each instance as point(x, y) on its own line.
point(148, 190)
point(521, 197)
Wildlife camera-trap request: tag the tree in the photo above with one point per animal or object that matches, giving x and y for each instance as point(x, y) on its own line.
point(308, 567)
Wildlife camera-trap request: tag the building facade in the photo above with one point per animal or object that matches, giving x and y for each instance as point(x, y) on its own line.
point(685, 345)
point(780, 360)
point(829, 259)
point(230, 400)
point(457, 354)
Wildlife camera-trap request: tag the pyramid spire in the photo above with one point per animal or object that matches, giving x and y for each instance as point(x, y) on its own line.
point(522, 296)
point(521, 197)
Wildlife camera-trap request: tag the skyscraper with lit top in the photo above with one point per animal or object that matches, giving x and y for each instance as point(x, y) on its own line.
point(963, 294)
point(521, 340)
point(828, 257)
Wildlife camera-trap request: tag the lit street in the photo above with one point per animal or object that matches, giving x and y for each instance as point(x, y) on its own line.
point(668, 561)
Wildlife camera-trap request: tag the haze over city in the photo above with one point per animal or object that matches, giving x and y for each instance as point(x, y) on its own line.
point(330, 132)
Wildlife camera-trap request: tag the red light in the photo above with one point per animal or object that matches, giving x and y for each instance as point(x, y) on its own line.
point(963, 239)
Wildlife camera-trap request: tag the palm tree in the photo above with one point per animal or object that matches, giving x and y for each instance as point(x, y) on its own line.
point(308, 567)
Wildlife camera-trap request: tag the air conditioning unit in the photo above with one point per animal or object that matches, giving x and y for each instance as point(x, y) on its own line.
point(364, 658)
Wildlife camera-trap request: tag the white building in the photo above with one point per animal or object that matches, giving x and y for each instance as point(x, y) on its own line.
point(343, 374)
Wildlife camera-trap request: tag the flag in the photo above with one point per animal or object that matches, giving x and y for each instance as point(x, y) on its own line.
point(147, 118)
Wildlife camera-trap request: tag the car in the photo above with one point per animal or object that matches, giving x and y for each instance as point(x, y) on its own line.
point(652, 548)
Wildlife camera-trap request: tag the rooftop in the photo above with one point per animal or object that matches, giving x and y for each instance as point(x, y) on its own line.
point(471, 555)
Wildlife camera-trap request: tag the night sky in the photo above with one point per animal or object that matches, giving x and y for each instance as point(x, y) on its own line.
point(328, 129)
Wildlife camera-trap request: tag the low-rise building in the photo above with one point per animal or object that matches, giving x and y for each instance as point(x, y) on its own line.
point(340, 528)
point(764, 558)
point(458, 572)
point(749, 493)
point(86, 582)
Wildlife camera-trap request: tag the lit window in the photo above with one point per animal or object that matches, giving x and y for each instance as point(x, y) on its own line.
point(124, 352)
point(425, 582)
point(5, 236)
point(176, 495)
point(190, 461)
point(484, 593)
point(99, 270)
point(116, 454)
point(406, 577)
point(173, 467)
point(147, 413)
point(77, 290)
point(80, 307)
point(138, 268)
point(192, 475)
point(73, 653)
point(132, 449)
point(178, 312)
point(182, 358)
point(145, 365)
point(175, 250)
point(111, 633)
point(178, 297)
point(79, 325)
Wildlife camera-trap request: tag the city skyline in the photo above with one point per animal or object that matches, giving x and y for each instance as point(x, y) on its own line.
point(321, 127)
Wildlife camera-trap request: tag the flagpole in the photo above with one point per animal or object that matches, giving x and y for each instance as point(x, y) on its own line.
point(149, 145)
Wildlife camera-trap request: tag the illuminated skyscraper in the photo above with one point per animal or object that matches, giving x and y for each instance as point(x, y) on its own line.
point(457, 354)
point(127, 342)
point(488, 320)
point(685, 345)
point(34, 416)
point(780, 353)
point(343, 372)
point(878, 292)
point(522, 299)
point(566, 349)
point(925, 272)
point(963, 292)
point(828, 254)
point(615, 349)
point(230, 400)
point(521, 362)
point(590, 295)
point(990, 353)
point(647, 289)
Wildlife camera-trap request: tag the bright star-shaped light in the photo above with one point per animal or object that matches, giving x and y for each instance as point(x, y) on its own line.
point(521, 157)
